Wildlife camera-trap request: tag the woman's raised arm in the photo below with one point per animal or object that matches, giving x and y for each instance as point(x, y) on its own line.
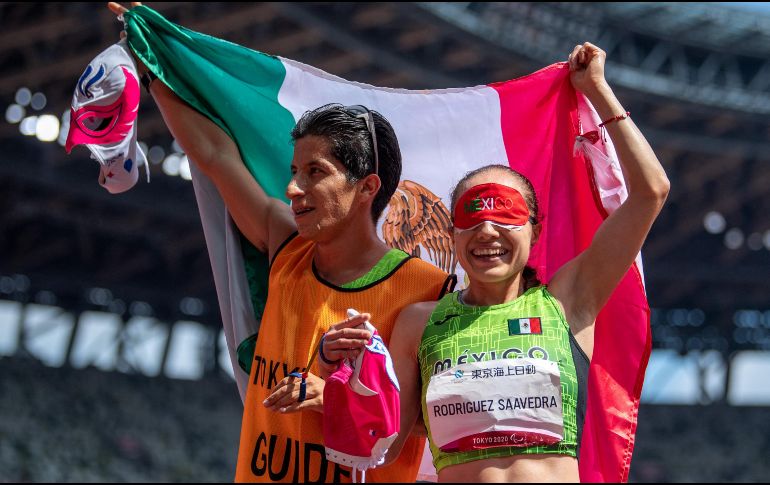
point(584, 284)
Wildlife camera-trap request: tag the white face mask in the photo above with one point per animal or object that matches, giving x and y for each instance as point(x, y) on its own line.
point(103, 117)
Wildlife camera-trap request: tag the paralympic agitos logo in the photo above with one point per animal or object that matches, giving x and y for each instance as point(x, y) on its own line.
point(488, 203)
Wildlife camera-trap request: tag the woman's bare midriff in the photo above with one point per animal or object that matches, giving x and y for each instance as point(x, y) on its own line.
point(513, 469)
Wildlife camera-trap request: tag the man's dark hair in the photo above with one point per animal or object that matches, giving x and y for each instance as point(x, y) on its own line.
point(351, 144)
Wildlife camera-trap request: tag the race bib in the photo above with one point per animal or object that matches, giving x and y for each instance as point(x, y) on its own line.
point(510, 402)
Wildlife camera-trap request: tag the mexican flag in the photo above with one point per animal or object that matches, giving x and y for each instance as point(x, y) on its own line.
point(524, 326)
point(531, 123)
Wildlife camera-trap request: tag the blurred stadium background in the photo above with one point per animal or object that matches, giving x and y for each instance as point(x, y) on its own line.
point(112, 360)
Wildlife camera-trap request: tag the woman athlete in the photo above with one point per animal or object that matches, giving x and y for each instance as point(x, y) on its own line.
point(499, 369)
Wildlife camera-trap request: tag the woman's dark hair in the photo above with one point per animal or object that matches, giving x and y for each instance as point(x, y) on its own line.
point(530, 197)
point(351, 144)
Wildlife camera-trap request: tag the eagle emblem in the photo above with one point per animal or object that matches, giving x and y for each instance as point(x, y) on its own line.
point(417, 217)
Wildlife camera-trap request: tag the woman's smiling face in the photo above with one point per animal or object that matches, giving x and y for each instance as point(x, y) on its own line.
point(488, 252)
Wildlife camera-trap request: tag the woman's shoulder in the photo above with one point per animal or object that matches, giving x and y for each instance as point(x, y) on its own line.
point(419, 311)
point(410, 325)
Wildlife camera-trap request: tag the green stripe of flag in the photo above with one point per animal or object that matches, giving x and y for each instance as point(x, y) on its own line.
point(235, 87)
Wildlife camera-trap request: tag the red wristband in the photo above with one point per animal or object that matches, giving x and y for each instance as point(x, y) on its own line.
point(615, 118)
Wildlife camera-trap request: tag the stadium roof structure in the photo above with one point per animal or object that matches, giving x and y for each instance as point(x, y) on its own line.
point(695, 76)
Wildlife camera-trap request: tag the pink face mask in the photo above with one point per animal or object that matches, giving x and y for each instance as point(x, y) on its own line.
point(362, 408)
point(103, 117)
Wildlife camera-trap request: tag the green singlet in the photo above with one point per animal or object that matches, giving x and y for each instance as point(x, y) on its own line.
point(531, 327)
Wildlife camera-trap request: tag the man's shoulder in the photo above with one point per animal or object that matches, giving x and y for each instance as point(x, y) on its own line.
point(421, 266)
point(432, 281)
point(290, 247)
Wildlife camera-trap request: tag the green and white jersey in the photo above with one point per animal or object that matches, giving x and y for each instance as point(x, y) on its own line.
point(500, 380)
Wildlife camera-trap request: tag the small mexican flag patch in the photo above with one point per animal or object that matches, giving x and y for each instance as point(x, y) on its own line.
point(522, 326)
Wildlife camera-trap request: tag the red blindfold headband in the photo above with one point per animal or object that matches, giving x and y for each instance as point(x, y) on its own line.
point(498, 204)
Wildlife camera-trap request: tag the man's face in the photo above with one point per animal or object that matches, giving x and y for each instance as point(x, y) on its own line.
point(321, 196)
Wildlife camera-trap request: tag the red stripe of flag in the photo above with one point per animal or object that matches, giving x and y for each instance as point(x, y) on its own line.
point(539, 121)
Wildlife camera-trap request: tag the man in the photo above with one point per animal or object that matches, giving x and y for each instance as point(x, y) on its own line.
point(325, 257)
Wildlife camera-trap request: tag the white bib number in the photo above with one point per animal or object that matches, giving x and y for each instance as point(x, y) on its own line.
point(509, 402)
